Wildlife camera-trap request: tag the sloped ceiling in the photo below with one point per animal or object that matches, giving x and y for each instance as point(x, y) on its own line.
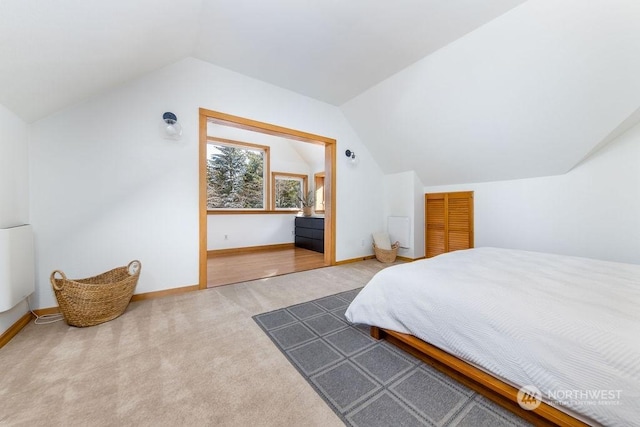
point(57, 53)
point(457, 90)
point(528, 94)
point(333, 50)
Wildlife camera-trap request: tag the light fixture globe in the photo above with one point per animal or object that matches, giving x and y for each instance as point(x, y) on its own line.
point(351, 155)
point(172, 129)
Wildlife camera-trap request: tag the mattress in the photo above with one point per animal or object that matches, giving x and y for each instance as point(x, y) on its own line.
point(569, 326)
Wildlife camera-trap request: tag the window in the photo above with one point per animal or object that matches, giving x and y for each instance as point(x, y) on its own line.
point(287, 188)
point(319, 199)
point(236, 174)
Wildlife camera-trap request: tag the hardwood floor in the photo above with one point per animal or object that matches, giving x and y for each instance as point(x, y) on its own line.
point(226, 269)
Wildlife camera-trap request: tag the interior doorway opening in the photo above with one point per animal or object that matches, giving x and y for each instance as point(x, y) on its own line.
point(295, 257)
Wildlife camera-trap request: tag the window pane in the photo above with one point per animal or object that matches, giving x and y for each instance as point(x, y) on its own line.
point(287, 192)
point(319, 182)
point(235, 177)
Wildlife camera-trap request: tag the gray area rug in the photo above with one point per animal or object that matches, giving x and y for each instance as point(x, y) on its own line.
point(368, 382)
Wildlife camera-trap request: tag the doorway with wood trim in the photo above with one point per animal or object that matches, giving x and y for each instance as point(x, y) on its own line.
point(208, 117)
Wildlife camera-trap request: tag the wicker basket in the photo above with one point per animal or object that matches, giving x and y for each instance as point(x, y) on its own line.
point(386, 255)
point(98, 299)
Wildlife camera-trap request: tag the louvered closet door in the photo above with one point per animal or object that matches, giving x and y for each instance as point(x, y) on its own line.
point(435, 213)
point(460, 225)
point(449, 222)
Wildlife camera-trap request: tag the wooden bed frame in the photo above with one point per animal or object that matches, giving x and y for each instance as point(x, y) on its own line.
point(503, 394)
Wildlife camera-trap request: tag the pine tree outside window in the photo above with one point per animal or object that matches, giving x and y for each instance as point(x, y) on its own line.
point(287, 188)
point(236, 176)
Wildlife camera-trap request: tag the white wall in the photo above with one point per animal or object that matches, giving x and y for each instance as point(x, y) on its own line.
point(14, 197)
point(106, 187)
point(249, 230)
point(403, 196)
point(592, 211)
point(418, 215)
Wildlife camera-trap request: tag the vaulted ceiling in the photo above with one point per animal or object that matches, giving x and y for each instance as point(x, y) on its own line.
point(57, 53)
point(529, 94)
point(457, 90)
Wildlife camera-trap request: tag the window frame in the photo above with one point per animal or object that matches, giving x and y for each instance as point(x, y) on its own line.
point(318, 181)
point(265, 179)
point(305, 189)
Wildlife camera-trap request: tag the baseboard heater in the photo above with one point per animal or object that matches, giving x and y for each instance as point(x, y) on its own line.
point(17, 265)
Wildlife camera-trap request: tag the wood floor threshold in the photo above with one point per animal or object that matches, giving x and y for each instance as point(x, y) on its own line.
point(15, 328)
point(242, 280)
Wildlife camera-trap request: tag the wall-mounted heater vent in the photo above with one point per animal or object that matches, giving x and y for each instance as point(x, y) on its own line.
point(17, 275)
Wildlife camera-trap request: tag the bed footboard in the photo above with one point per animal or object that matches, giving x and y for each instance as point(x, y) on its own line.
point(492, 388)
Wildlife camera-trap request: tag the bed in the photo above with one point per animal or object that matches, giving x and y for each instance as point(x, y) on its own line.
point(500, 319)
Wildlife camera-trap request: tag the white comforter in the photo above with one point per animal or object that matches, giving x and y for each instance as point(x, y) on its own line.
point(563, 324)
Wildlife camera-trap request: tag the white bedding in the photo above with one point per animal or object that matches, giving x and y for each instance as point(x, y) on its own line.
point(563, 324)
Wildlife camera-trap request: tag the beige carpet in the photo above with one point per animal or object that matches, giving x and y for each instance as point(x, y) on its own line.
point(192, 359)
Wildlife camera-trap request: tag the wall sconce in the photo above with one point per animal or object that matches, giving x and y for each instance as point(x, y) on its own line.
point(351, 155)
point(172, 129)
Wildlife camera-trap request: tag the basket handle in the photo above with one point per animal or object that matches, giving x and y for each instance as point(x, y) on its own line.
point(53, 279)
point(134, 267)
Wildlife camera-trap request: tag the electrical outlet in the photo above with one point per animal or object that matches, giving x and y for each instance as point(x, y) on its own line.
point(226, 237)
point(362, 242)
